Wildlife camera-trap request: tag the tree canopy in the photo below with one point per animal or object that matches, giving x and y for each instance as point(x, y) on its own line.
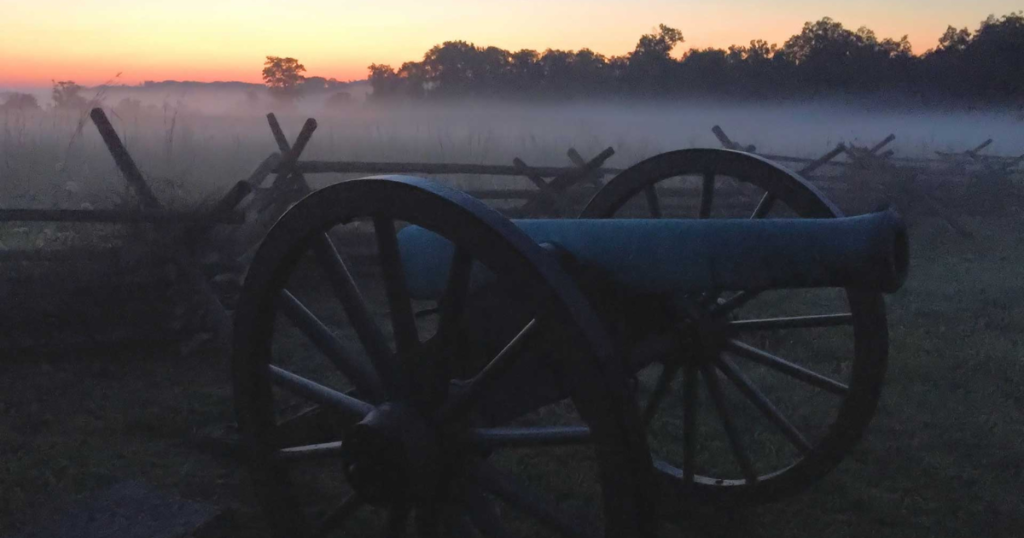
point(283, 76)
point(66, 95)
point(825, 57)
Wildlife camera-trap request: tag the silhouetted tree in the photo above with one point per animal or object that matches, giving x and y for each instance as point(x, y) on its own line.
point(589, 71)
point(383, 80)
point(658, 46)
point(996, 57)
point(650, 64)
point(283, 76)
point(66, 95)
point(556, 65)
point(412, 80)
point(707, 70)
point(825, 57)
point(454, 66)
point(525, 71)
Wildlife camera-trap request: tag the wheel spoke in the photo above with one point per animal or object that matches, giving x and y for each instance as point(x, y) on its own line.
point(689, 421)
point(451, 305)
point(668, 372)
point(762, 403)
point(764, 206)
point(460, 403)
point(337, 517)
point(782, 365)
point(652, 201)
point(795, 322)
point(315, 392)
point(454, 301)
point(733, 303)
point(529, 502)
point(330, 345)
point(309, 452)
point(707, 195)
point(528, 436)
point(358, 312)
point(742, 459)
point(402, 320)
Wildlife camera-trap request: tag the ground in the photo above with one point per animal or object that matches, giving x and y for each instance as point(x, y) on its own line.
point(943, 457)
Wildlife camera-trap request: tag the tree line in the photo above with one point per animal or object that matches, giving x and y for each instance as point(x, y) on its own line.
point(824, 58)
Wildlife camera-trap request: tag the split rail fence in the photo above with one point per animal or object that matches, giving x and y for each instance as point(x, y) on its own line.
point(211, 248)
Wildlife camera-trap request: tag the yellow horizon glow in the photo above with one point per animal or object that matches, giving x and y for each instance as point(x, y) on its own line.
point(90, 41)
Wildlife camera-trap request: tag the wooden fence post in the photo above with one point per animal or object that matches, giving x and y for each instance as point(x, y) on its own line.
point(268, 204)
point(560, 183)
point(823, 160)
point(866, 157)
point(183, 256)
point(728, 143)
point(983, 145)
point(124, 161)
point(579, 161)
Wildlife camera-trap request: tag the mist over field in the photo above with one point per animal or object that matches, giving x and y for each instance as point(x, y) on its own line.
point(199, 142)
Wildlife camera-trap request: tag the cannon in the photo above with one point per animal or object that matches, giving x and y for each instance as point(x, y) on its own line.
point(405, 355)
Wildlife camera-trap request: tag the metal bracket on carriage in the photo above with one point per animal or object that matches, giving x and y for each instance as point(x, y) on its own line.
point(552, 197)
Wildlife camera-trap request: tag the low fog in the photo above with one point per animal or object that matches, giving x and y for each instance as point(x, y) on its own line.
point(200, 141)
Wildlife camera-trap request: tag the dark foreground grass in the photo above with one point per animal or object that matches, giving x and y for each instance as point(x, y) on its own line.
point(943, 457)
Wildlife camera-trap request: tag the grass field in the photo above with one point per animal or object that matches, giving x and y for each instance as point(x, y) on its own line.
point(943, 457)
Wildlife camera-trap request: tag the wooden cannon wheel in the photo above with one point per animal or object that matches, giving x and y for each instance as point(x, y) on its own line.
point(760, 394)
point(358, 414)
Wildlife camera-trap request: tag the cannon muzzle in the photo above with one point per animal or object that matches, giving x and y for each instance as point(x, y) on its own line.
point(868, 252)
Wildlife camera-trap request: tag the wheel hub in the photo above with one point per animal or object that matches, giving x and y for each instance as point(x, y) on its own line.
point(392, 455)
point(706, 333)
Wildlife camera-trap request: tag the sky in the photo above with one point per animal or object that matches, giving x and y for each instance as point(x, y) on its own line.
point(91, 41)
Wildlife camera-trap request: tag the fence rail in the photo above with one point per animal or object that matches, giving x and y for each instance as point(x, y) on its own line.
point(161, 216)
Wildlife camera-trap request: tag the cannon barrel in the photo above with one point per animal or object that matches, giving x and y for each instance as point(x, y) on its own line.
point(868, 252)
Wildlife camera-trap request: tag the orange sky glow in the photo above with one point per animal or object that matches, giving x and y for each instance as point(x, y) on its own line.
point(90, 41)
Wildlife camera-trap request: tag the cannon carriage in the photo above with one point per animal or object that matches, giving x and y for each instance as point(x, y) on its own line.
point(405, 356)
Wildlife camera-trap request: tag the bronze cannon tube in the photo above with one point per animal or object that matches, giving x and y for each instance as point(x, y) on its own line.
point(867, 252)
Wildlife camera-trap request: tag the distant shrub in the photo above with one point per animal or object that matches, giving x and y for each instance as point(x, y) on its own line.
point(339, 99)
point(128, 107)
point(20, 101)
point(66, 95)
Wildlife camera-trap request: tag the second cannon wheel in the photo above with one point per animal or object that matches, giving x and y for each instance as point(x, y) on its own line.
point(760, 394)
